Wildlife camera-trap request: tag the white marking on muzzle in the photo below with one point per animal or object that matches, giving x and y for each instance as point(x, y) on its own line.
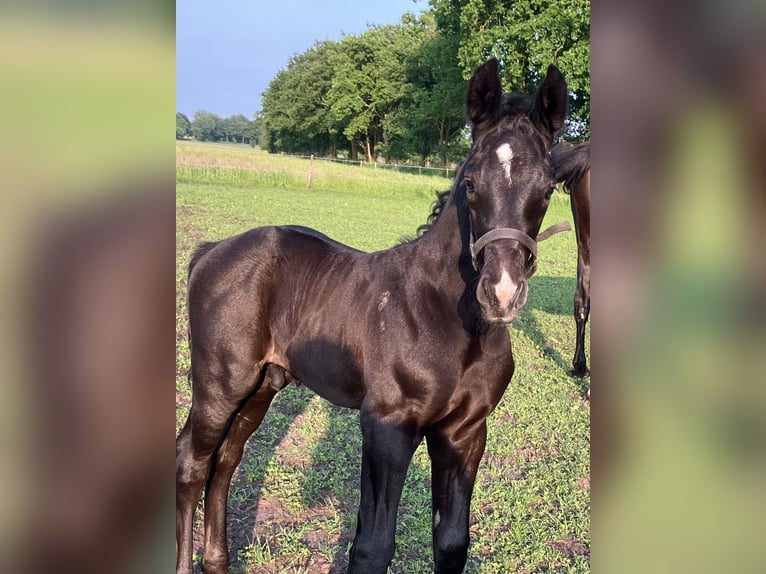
point(505, 290)
point(505, 155)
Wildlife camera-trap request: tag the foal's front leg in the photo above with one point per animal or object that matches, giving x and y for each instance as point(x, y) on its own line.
point(455, 456)
point(386, 454)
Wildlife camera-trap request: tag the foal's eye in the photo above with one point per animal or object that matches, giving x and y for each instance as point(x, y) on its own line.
point(469, 188)
point(549, 193)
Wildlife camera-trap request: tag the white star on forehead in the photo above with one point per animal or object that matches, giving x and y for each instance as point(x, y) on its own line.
point(505, 155)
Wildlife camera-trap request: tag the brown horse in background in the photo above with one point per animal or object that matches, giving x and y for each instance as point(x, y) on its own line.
point(572, 165)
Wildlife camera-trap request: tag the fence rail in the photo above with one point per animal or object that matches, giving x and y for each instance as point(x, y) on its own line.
point(448, 172)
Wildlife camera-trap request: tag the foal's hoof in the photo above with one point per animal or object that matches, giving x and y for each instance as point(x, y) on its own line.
point(215, 566)
point(581, 371)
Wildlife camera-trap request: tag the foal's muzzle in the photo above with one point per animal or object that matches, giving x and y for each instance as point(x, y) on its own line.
point(501, 293)
point(502, 288)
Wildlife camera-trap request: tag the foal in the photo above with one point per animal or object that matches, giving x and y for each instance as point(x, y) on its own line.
point(415, 337)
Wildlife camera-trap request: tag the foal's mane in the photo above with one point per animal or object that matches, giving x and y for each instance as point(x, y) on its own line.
point(436, 209)
point(570, 162)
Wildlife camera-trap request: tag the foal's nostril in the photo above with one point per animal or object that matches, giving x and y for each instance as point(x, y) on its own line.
point(489, 292)
point(484, 293)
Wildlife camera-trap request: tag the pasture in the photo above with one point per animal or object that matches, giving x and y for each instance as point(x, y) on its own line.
point(294, 498)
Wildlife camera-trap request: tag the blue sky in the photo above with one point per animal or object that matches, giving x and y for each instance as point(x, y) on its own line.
point(227, 51)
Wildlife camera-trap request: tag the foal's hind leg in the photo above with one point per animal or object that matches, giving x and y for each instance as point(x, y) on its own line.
point(581, 313)
point(211, 410)
point(215, 555)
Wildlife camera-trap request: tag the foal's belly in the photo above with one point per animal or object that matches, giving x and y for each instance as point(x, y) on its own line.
point(328, 369)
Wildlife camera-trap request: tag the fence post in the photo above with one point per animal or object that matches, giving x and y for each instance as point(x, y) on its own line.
point(311, 169)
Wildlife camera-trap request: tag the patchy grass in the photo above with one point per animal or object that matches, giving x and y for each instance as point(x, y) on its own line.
point(294, 498)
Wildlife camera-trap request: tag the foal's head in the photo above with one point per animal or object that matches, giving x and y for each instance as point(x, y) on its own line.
point(507, 181)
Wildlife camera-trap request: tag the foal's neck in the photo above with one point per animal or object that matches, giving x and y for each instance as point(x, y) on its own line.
point(443, 252)
point(443, 248)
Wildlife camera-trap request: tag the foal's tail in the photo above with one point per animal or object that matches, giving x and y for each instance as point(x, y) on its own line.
point(571, 162)
point(198, 253)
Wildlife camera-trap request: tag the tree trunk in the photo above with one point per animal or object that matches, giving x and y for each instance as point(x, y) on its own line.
point(368, 148)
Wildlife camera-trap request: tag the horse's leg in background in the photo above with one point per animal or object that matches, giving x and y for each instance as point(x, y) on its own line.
point(208, 418)
point(455, 456)
point(387, 450)
point(580, 201)
point(581, 313)
point(215, 557)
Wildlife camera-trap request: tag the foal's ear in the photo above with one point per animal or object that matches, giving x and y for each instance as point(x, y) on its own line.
point(484, 93)
point(551, 103)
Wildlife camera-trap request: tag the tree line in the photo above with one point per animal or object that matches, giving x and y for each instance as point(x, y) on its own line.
point(207, 126)
point(397, 91)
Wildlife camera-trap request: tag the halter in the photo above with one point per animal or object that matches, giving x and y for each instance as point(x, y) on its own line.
point(509, 233)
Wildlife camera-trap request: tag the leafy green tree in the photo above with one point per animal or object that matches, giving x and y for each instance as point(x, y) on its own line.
point(206, 126)
point(234, 127)
point(296, 110)
point(183, 126)
point(526, 36)
point(370, 82)
point(252, 132)
point(226, 127)
point(320, 127)
point(431, 120)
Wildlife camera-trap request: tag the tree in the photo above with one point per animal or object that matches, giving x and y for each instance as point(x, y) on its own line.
point(234, 127)
point(526, 36)
point(296, 110)
point(252, 132)
point(370, 81)
point(183, 126)
point(206, 126)
point(430, 121)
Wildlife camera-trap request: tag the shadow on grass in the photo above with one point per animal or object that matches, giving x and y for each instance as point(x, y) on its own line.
point(330, 487)
point(552, 295)
point(335, 474)
point(246, 486)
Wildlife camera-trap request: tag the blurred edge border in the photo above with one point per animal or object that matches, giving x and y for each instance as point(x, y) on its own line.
point(88, 283)
point(678, 399)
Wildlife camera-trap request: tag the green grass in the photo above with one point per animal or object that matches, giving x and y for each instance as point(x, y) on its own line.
point(294, 498)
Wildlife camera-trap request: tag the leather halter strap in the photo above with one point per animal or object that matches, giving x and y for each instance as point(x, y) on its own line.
point(510, 233)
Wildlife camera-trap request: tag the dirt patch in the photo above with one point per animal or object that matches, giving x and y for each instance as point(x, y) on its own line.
point(183, 400)
point(528, 454)
point(583, 483)
point(570, 548)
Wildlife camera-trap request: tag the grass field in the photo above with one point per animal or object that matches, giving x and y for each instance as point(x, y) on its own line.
point(294, 498)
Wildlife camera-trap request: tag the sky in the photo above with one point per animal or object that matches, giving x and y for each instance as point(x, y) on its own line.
point(227, 51)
